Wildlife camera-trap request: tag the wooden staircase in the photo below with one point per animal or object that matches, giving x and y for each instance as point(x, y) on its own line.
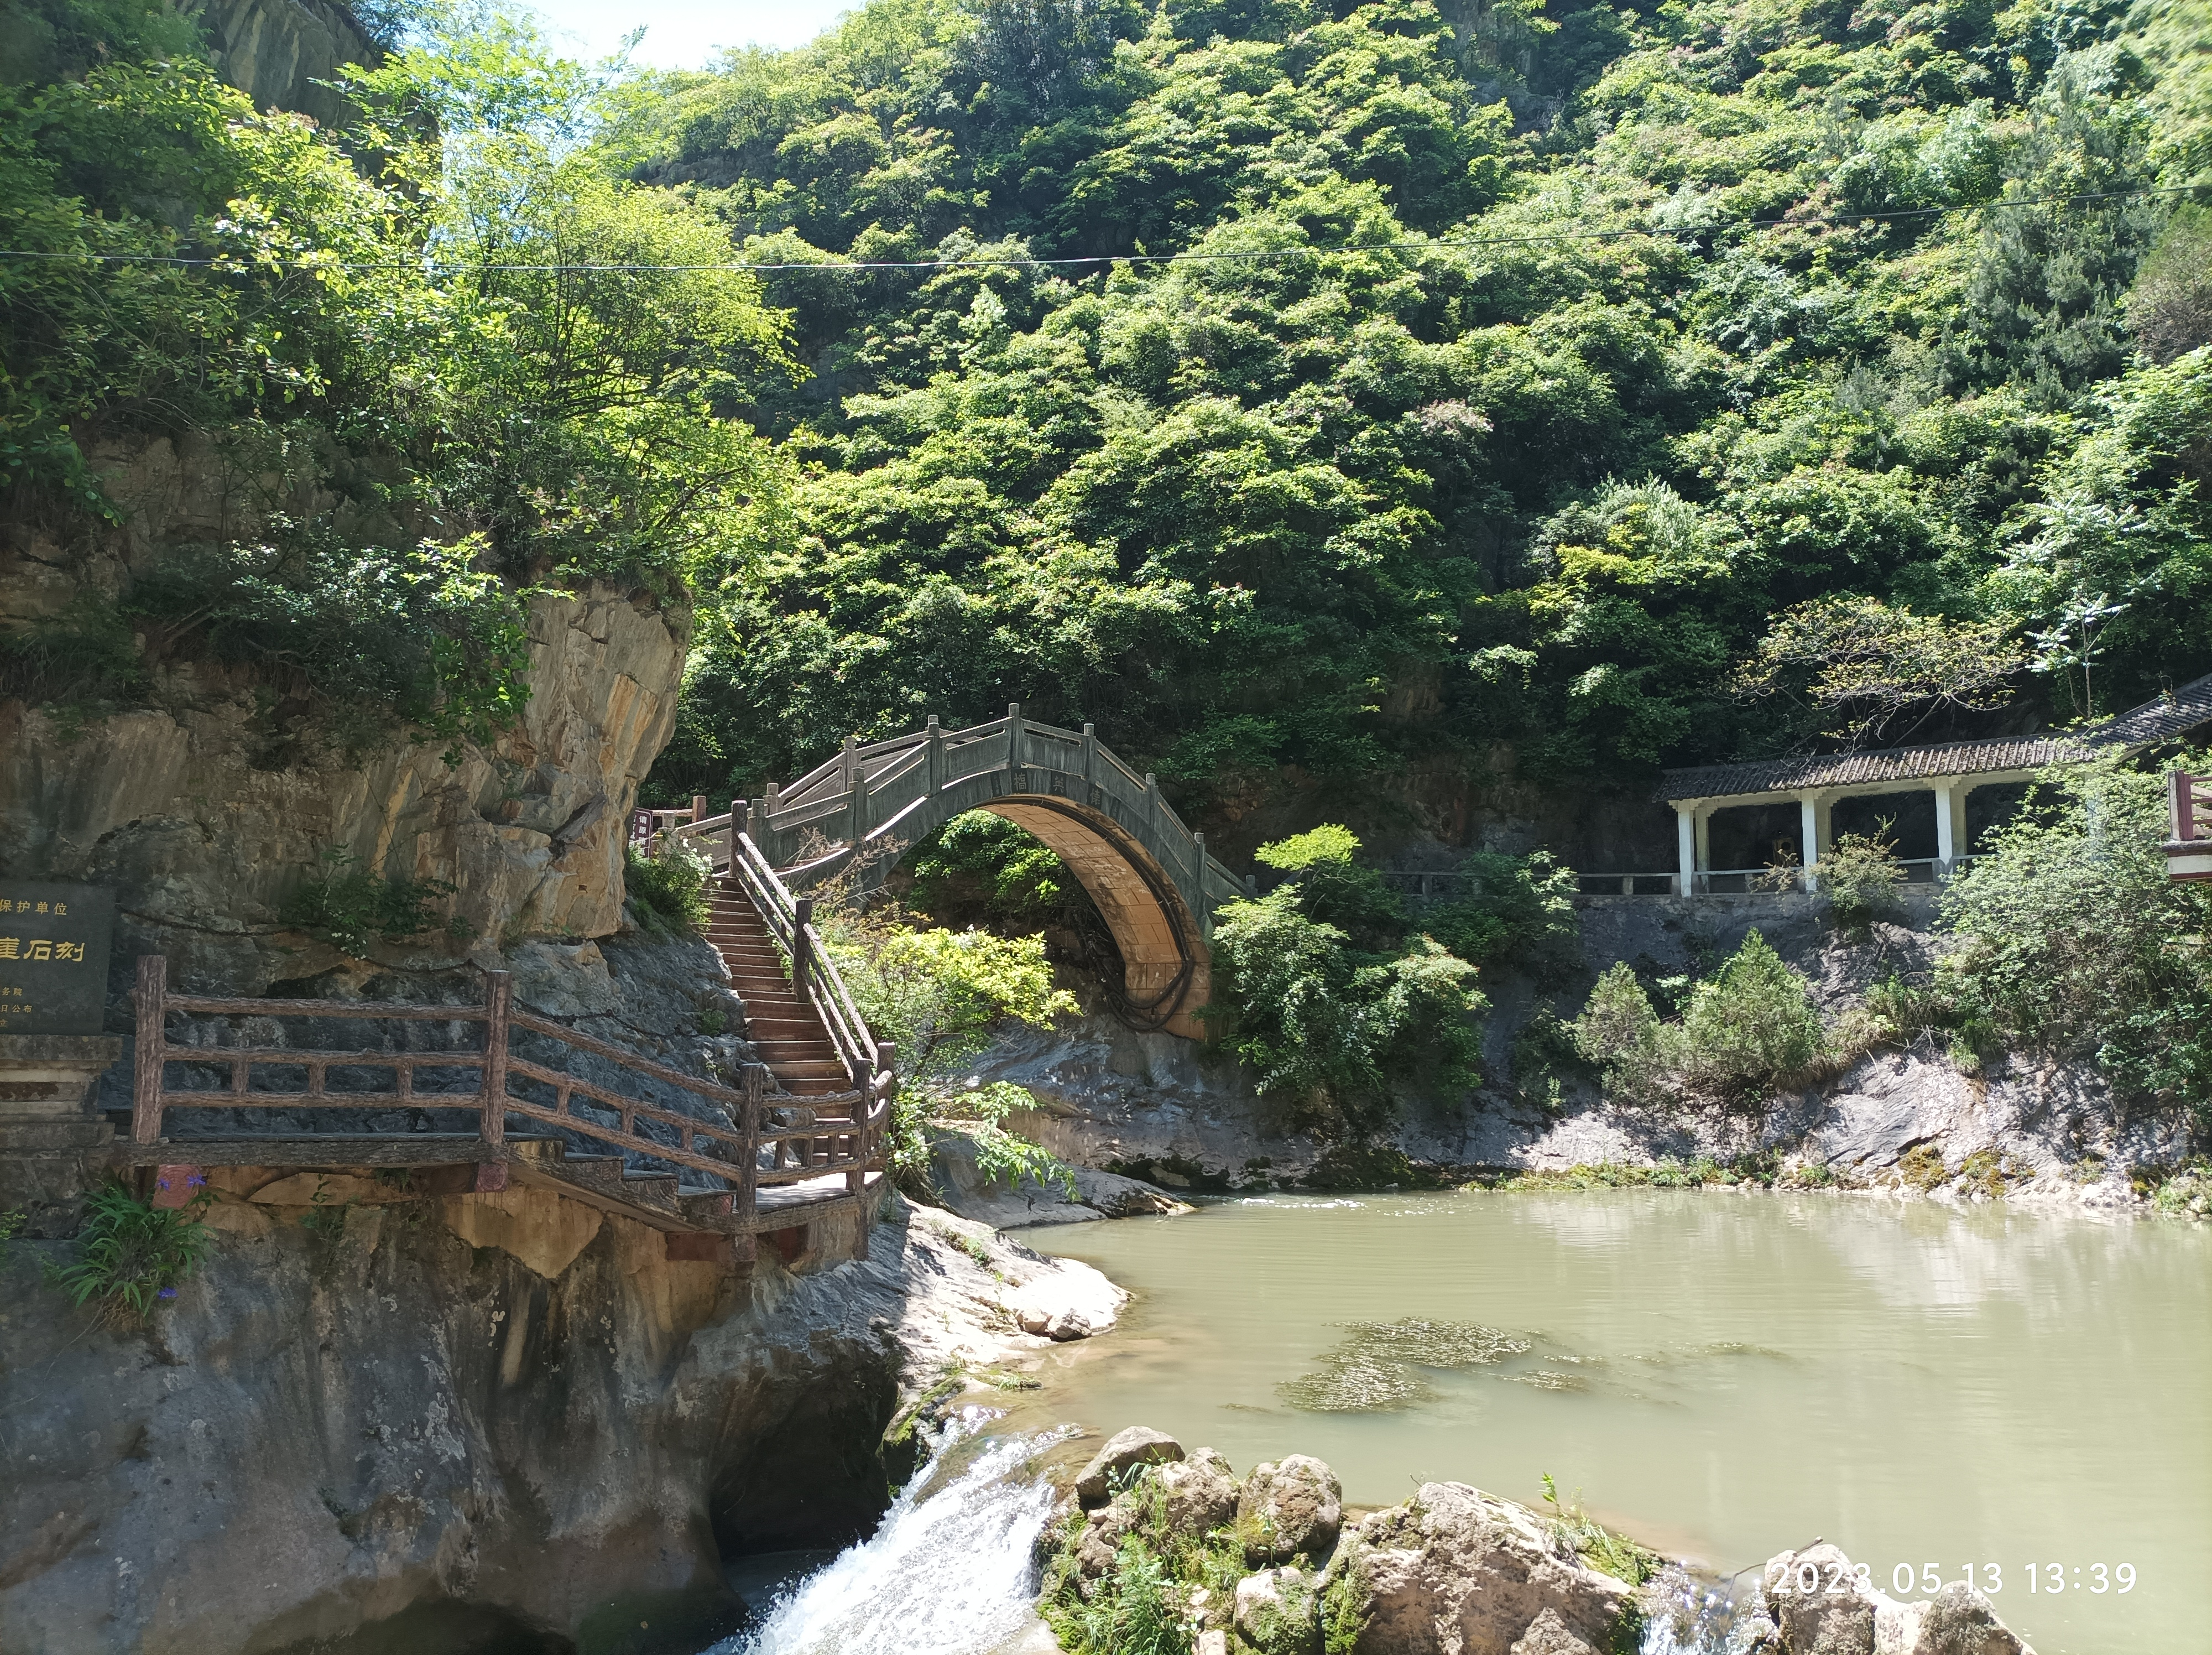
point(782, 1024)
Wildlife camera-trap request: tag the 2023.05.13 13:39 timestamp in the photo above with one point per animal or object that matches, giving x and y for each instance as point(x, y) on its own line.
point(1928, 1578)
point(2041, 1578)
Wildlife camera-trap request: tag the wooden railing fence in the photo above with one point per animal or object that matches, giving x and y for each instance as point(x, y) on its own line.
point(839, 1132)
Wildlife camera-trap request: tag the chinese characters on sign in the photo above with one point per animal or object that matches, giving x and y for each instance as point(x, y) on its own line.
point(53, 956)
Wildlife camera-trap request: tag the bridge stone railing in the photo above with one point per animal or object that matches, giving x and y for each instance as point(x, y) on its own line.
point(887, 794)
point(1154, 880)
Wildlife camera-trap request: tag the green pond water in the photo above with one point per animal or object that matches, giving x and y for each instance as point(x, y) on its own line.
point(1723, 1376)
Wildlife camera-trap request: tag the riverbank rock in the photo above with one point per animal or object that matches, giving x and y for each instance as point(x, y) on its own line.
point(1200, 1493)
point(1046, 1301)
point(1820, 1605)
point(1139, 1446)
point(1290, 1509)
point(1279, 1612)
point(966, 1190)
point(1547, 1634)
point(1455, 1571)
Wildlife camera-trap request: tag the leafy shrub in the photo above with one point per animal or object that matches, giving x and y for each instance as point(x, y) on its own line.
point(1603, 1548)
point(1922, 1166)
point(1617, 1033)
point(1135, 1615)
point(1545, 1053)
point(2073, 940)
point(669, 886)
point(422, 638)
point(1751, 1024)
point(350, 908)
point(940, 995)
point(131, 1255)
point(1329, 1026)
point(1334, 888)
point(1861, 878)
point(980, 868)
point(978, 1113)
point(11, 1225)
point(1329, 1031)
point(1522, 912)
point(2186, 1193)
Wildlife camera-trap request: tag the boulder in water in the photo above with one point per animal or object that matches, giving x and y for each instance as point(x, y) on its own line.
point(1820, 1605)
point(1455, 1570)
point(1139, 1446)
point(1289, 1509)
point(1961, 1622)
point(1279, 1612)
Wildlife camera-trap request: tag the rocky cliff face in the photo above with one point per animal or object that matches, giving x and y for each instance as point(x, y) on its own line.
point(433, 1424)
point(175, 808)
point(285, 53)
point(206, 809)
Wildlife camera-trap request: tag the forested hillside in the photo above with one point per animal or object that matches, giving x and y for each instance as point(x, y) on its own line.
point(1517, 367)
point(1631, 386)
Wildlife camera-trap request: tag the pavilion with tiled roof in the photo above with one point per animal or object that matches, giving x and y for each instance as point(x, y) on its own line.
point(1951, 771)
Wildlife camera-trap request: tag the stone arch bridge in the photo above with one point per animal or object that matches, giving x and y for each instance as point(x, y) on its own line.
point(1154, 882)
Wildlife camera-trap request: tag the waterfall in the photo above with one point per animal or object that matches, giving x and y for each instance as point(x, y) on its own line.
point(948, 1572)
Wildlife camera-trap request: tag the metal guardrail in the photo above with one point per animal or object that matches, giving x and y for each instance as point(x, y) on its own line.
point(1447, 886)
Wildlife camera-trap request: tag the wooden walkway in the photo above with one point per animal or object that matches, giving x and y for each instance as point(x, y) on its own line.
point(797, 1137)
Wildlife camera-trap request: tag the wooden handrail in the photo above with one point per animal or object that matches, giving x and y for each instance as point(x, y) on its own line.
point(814, 973)
point(731, 1153)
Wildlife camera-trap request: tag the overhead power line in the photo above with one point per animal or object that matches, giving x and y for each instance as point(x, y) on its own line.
point(1093, 260)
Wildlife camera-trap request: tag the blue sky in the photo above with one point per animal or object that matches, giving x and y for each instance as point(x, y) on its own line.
point(686, 34)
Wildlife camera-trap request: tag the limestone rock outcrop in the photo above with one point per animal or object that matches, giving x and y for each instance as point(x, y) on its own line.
point(1287, 1509)
point(1137, 1446)
point(1455, 1571)
point(1199, 1493)
point(1820, 1605)
point(204, 843)
point(1278, 1612)
point(457, 1422)
point(969, 1192)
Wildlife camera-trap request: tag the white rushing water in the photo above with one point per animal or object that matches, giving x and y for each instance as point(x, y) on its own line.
point(948, 1572)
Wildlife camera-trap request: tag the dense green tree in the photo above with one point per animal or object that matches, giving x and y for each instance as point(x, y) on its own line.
point(1516, 371)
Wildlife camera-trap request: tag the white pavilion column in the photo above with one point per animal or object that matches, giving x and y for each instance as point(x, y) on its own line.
point(1685, 849)
point(1811, 832)
point(1951, 842)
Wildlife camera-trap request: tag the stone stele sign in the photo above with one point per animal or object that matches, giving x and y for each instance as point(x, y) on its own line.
point(53, 956)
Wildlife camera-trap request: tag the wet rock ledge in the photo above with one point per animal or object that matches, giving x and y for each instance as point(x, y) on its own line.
point(1149, 1538)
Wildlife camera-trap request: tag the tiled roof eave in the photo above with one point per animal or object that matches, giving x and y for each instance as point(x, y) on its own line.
point(1869, 770)
point(2165, 719)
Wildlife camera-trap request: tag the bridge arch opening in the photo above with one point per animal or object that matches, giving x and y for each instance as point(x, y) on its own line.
point(1164, 967)
point(1123, 921)
point(1153, 883)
